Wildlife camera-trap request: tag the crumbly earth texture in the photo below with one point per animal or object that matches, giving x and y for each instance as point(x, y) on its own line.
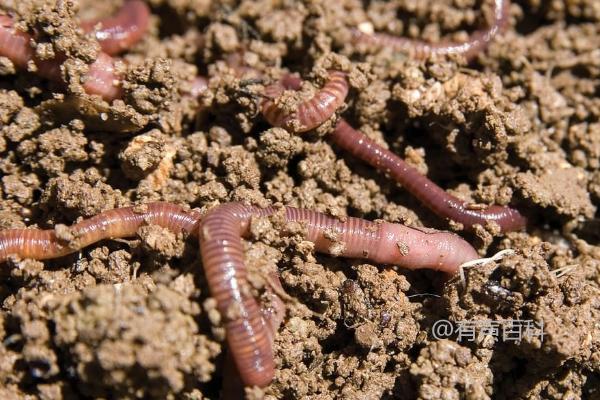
point(134, 319)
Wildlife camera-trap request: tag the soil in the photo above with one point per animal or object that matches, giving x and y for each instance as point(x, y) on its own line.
point(133, 318)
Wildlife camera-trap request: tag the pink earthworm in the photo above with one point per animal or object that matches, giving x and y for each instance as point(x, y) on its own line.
point(308, 114)
point(101, 78)
point(114, 35)
point(435, 198)
point(120, 222)
point(360, 146)
point(222, 253)
point(421, 50)
point(249, 330)
point(273, 315)
point(122, 30)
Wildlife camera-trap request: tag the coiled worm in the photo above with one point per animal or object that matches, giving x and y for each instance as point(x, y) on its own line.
point(308, 114)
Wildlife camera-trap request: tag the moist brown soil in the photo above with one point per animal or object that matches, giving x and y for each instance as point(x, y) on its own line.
point(133, 318)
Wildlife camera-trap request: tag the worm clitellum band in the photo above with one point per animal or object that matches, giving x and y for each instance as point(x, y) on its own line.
point(220, 232)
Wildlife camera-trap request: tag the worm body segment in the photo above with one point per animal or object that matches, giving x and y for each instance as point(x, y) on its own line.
point(101, 78)
point(360, 146)
point(223, 259)
point(16, 46)
point(248, 335)
point(308, 114)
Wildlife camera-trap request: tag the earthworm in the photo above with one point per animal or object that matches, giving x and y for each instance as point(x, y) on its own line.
point(308, 114)
point(115, 34)
point(360, 146)
point(432, 196)
point(421, 50)
point(101, 78)
point(249, 331)
point(117, 223)
point(15, 45)
point(119, 32)
point(233, 386)
point(222, 253)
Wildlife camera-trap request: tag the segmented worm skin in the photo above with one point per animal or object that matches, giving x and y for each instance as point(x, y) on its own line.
point(115, 35)
point(102, 78)
point(222, 252)
point(273, 315)
point(421, 50)
point(121, 31)
point(121, 222)
point(435, 198)
point(311, 113)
